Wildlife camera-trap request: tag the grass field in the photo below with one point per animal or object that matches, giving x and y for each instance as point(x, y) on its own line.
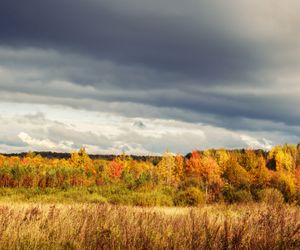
point(103, 226)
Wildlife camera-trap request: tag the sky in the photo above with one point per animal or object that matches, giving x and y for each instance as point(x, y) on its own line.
point(143, 77)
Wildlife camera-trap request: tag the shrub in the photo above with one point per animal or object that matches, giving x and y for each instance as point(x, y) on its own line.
point(142, 180)
point(242, 196)
point(271, 196)
point(124, 199)
point(128, 179)
point(228, 193)
point(189, 182)
point(152, 199)
point(287, 187)
point(231, 195)
point(297, 197)
point(190, 197)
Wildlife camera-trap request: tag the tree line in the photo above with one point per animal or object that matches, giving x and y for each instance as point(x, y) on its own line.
point(212, 175)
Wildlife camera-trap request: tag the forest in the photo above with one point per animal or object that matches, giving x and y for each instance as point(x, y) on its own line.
point(201, 177)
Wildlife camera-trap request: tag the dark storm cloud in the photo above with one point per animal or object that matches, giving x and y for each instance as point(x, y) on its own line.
point(232, 64)
point(192, 45)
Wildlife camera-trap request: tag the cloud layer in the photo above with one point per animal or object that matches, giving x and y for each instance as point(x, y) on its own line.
point(106, 133)
point(219, 68)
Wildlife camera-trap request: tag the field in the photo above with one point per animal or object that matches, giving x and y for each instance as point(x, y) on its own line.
point(104, 226)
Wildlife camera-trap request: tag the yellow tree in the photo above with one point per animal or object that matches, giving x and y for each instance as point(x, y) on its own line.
point(249, 159)
point(260, 174)
point(81, 160)
point(222, 157)
point(285, 158)
point(166, 167)
point(178, 169)
point(282, 158)
point(297, 176)
point(235, 174)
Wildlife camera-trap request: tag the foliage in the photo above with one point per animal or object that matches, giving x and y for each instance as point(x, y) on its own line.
point(271, 196)
point(190, 197)
point(166, 169)
point(242, 196)
point(207, 170)
point(231, 195)
point(286, 184)
point(235, 175)
point(284, 158)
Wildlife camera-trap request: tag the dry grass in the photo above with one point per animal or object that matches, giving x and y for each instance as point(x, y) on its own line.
point(92, 226)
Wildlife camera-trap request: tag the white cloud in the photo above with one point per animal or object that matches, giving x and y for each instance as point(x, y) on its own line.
point(45, 144)
point(257, 143)
point(62, 129)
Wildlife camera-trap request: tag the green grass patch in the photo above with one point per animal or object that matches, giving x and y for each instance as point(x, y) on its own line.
point(114, 194)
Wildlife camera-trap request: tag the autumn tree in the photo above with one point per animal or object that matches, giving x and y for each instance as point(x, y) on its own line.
point(235, 174)
point(260, 174)
point(249, 160)
point(284, 158)
point(204, 167)
point(81, 159)
point(116, 168)
point(86, 171)
point(166, 168)
point(222, 157)
point(286, 184)
point(298, 155)
point(178, 172)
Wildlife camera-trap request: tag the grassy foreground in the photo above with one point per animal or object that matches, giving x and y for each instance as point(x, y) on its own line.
point(104, 226)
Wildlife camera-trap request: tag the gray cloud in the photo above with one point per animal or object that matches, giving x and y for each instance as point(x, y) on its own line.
point(196, 40)
point(232, 64)
point(24, 79)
